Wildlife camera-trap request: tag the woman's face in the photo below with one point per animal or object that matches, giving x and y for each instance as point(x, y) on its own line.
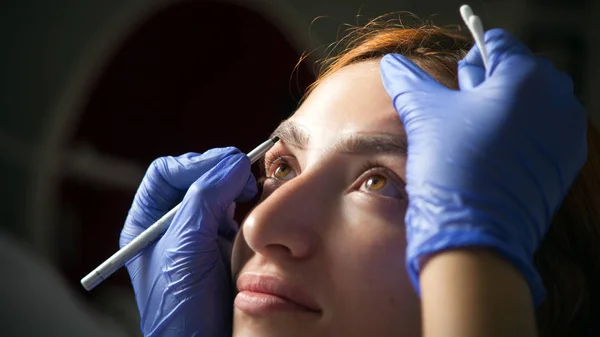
point(323, 252)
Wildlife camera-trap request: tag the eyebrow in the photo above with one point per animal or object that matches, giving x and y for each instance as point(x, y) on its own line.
point(372, 143)
point(291, 134)
point(358, 143)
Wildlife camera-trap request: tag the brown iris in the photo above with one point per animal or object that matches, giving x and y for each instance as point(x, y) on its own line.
point(375, 183)
point(282, 171)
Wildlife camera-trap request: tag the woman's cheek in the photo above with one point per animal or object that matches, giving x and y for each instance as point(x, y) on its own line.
point(386, 210)
point(371, 230)
point(366, 259)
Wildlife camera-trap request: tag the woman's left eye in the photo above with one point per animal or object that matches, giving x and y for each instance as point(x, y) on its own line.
point(283, 171)
point(380, 184)
point(375, 182)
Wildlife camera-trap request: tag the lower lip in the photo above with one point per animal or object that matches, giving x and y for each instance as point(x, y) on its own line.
point(260, 303)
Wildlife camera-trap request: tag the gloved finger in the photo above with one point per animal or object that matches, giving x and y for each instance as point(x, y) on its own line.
point(561, 79)
point(545, 62)
point(229, 227)
point(164, 185)
point(403, 80)
point(502, 48)
point(168, 178)
point(471, 71)
point(208, 199)
point(249, 190)
point(180, 172)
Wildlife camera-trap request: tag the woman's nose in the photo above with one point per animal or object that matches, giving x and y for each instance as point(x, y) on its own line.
point(289, 222)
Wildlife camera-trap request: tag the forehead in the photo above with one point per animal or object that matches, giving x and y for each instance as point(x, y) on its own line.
point(352, 100)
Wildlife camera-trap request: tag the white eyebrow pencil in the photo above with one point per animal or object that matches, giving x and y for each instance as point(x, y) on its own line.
point(123, 255)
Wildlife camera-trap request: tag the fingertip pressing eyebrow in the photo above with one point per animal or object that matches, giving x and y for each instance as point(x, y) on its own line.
point(291, 134)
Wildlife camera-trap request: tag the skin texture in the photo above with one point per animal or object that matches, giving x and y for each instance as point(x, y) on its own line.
point(331, 220)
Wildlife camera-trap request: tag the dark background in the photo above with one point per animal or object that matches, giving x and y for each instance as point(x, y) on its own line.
point(91, 91)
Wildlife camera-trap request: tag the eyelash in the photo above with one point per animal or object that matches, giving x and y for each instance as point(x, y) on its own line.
point(272, 159)
point(268, 161)
point(370, 166)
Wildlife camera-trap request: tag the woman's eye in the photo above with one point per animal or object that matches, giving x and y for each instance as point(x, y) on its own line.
point(379, 184)
point(284, 171)
point(375, 183)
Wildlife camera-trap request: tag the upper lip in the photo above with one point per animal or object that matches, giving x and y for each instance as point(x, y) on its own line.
point(276, 286)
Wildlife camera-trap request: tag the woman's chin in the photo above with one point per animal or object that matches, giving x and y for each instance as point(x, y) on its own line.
point(272, 323)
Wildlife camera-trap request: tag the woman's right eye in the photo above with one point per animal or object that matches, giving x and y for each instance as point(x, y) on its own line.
point(283, 171)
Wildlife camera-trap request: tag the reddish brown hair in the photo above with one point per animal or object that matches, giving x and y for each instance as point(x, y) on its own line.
point(569, 256)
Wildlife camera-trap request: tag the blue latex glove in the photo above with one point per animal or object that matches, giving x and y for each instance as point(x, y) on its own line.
point(182, 282)
point(490, 164)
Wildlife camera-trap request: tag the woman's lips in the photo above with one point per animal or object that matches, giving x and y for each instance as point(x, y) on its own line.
point(261, 294)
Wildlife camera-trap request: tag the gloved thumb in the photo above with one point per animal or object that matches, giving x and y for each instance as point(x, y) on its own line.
point(403, 80)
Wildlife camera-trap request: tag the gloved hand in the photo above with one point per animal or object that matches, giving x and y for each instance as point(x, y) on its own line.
point(490, 164)
point(182, 282)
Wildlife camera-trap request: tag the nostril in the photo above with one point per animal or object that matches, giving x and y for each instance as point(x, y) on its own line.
point(290, 247)
point(281, 248)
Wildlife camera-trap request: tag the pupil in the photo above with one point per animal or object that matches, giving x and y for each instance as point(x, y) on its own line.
point(281, 170)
